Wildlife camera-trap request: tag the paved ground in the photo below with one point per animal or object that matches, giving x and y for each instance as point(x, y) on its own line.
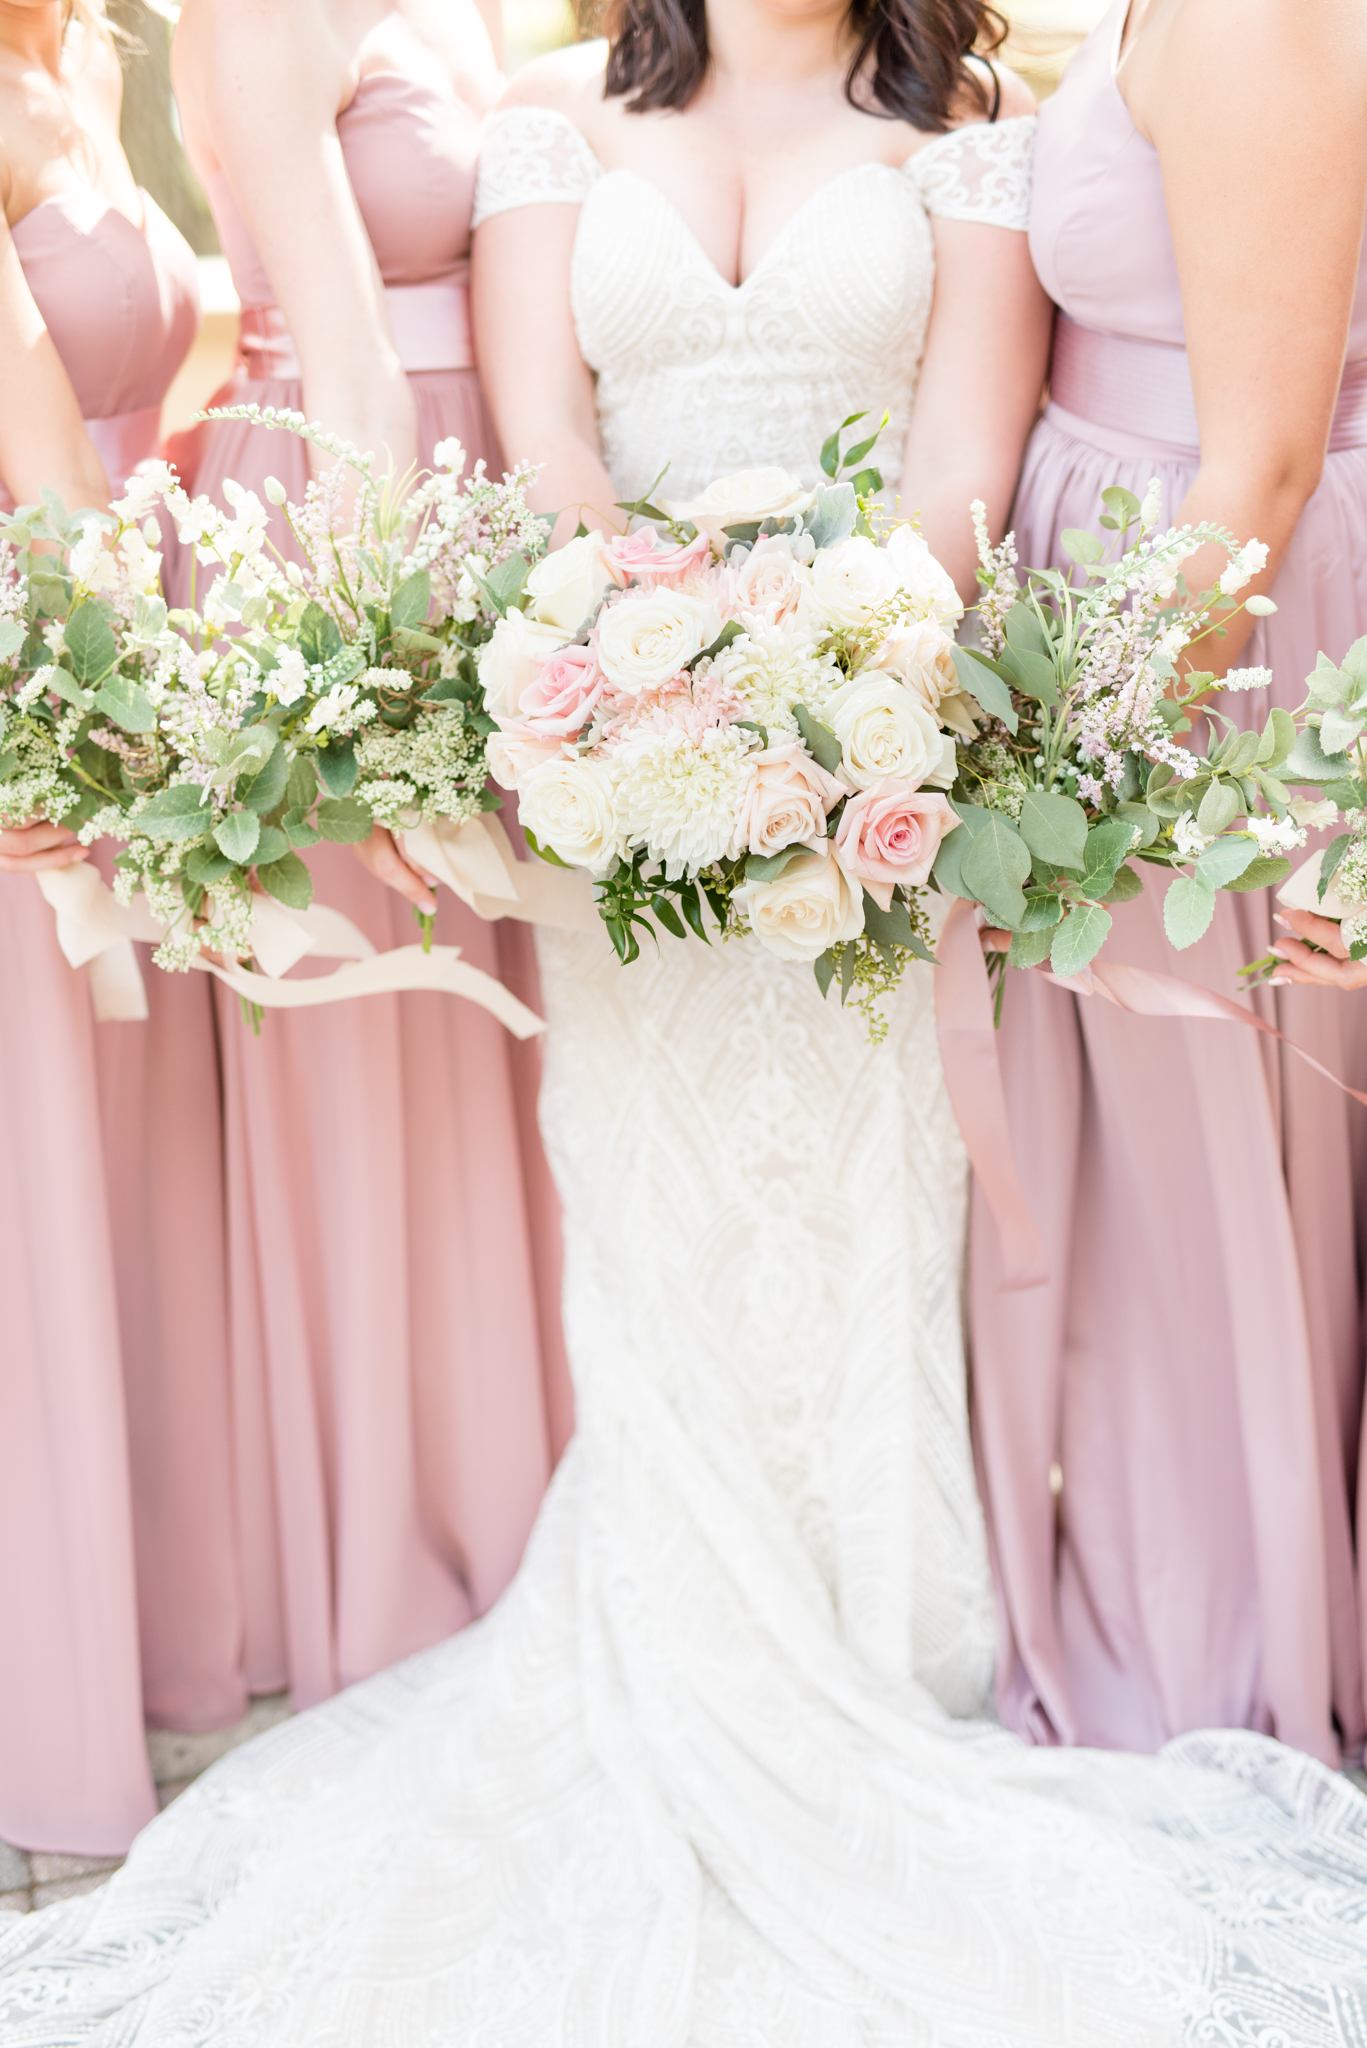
point(29, 1879)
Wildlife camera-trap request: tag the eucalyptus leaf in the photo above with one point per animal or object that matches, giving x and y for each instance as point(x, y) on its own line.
point(1079, 938)
point(732, 630)
point(302, 786)
point(984, 686)
point(205, 865)
point(1122, 505)
point(995, 868)
point(1126, 884)
point(1033, 674)
point(1188, 909)
point(1339, 731)
point(1218, 809)
point(268, 786)
point(90, 643)
point(1278, 738)
point(65, 685)
point(1055, 828)
point(1108, 842)
point(412, 601)
point(1042, 913)
point(346, 820)
point(1227, 859)
point(1268, 871)
point(237, 835)
point(176, 813)
point(769, 867)
point(1029, 948)
point(1080, 545)
point(1142, 819)
point(820, 742)
point(1309, 762)
point(298, 829)
point(1025, 634)
point(1329, 860)
point(288, 880)
point(337, 767)
point(272, 845)
point(1244, 752)
point(888, 927)
point(319, 634)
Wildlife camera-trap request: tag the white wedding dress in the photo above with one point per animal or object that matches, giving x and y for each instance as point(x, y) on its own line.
point(698, 1782)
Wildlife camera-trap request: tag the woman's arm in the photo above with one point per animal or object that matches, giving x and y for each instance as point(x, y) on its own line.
point(1256, 110)
point(260, 85)
point(43, 440)
point(981, 381)
point(538, 385)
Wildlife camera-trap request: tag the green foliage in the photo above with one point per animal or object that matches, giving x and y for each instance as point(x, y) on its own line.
point(126, 705)
point(90, 643)
point(412, 601)
point(337, 767)
point(979, 678)
point(288, 880)
point(176, 813)
point(818, 739)
point(236, 835)
point(1188, 909)
point(268, 786)
point(1054, 828)
point(345, 820)
point(996, 867)
point(1079, 938)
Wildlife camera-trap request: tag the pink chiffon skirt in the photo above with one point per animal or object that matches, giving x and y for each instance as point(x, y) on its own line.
point(398, 1384)
point(1194, 1365)
point(119, 1591)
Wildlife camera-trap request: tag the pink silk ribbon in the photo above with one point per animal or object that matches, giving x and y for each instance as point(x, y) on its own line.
point(968, 1054)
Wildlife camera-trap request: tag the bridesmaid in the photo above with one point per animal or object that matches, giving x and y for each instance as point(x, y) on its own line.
point(1168, 1429)
point(399, 1382)
point(114, 1498)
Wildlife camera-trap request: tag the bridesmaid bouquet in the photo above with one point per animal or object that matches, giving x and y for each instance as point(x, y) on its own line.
point(290, 705)
point(749, 704)
point(1331, 754)
point(1086, 761)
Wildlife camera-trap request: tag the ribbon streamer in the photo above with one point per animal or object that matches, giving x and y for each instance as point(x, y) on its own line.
point(477, 863)
point(968, 1054)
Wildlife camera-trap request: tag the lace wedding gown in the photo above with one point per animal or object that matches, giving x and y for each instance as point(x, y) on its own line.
point(696, 1782)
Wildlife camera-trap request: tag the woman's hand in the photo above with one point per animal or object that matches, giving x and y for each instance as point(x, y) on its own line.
point(1330, 968)
point(381, 855)
point(33, 849)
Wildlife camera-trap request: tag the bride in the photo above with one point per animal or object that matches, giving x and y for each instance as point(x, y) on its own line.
point(704, 1778)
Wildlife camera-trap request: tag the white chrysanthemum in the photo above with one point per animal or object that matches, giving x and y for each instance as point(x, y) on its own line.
point(681, 798)
point(773, 669)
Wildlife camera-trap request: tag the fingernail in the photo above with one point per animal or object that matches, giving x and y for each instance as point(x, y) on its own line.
point(429, 906)
point(430, 880)
point(1277, 918)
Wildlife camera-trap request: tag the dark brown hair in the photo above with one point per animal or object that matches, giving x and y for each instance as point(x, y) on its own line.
point(910, 60)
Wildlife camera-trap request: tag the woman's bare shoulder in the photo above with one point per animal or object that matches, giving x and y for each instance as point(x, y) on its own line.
point(1015, 97)
point(568, 81)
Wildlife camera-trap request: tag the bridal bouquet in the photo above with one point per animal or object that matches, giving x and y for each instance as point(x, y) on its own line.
point(748, 704)
point(295, 704)
point(1086, 758)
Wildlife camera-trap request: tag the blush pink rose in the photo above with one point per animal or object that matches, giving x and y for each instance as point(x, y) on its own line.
point(642, 557)
point(559, 700)
point(788, 801)
point(890, 834)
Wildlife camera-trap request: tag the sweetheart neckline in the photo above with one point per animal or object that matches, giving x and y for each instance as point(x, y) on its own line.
point(671, 206)
point(107, 206)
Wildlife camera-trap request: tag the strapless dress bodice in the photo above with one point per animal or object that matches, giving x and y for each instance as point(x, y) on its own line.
point(410, 150)
point(121, 302)
point(1099, 231)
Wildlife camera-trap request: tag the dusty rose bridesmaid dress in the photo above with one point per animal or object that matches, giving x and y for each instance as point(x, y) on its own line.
point(400, 1392)
point(1194, 1366)
point(115, 1507)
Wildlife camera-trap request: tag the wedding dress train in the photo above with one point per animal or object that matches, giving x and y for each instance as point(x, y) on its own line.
point(698, 1780)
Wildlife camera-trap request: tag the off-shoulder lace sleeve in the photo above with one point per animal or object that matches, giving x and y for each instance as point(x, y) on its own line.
point(532, 156)
point(978, 172)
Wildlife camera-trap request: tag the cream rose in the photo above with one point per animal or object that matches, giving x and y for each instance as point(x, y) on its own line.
point(813, 905)
point(570, 805)
point(512, 658)
point(787, 802)
point(768, 582)
point(648, 637)
point(890, 834)
point(928, 586)
point(884, 731)
point(564, 587)
point(921, 655)
point(513, 755)
point(748, 498)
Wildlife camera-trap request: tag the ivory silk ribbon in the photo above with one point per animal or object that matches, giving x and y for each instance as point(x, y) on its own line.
point(968, 1054)
point(475, 860)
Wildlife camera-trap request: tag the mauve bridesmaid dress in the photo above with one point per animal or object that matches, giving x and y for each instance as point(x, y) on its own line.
point(399, 1385)
point(115, 1508)
point(1193, 1368)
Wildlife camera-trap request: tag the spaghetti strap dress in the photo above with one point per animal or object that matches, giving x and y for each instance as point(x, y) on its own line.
point(1168, 1430)
point(399, 1386)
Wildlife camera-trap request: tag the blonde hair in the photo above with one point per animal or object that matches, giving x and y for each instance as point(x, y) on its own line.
point(92, 18)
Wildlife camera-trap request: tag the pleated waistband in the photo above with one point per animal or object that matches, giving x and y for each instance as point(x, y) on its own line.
point(430, 322)
point(1142, 390)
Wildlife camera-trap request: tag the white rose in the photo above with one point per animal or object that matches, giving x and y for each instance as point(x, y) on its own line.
point(813, 905)
point(508, 662)
point(928, 586)
point(646, 638)
point(565, 587)
point(851, 580)
point(570, 805)
point(787, 800)
point(885, 731)
point(748, 498)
